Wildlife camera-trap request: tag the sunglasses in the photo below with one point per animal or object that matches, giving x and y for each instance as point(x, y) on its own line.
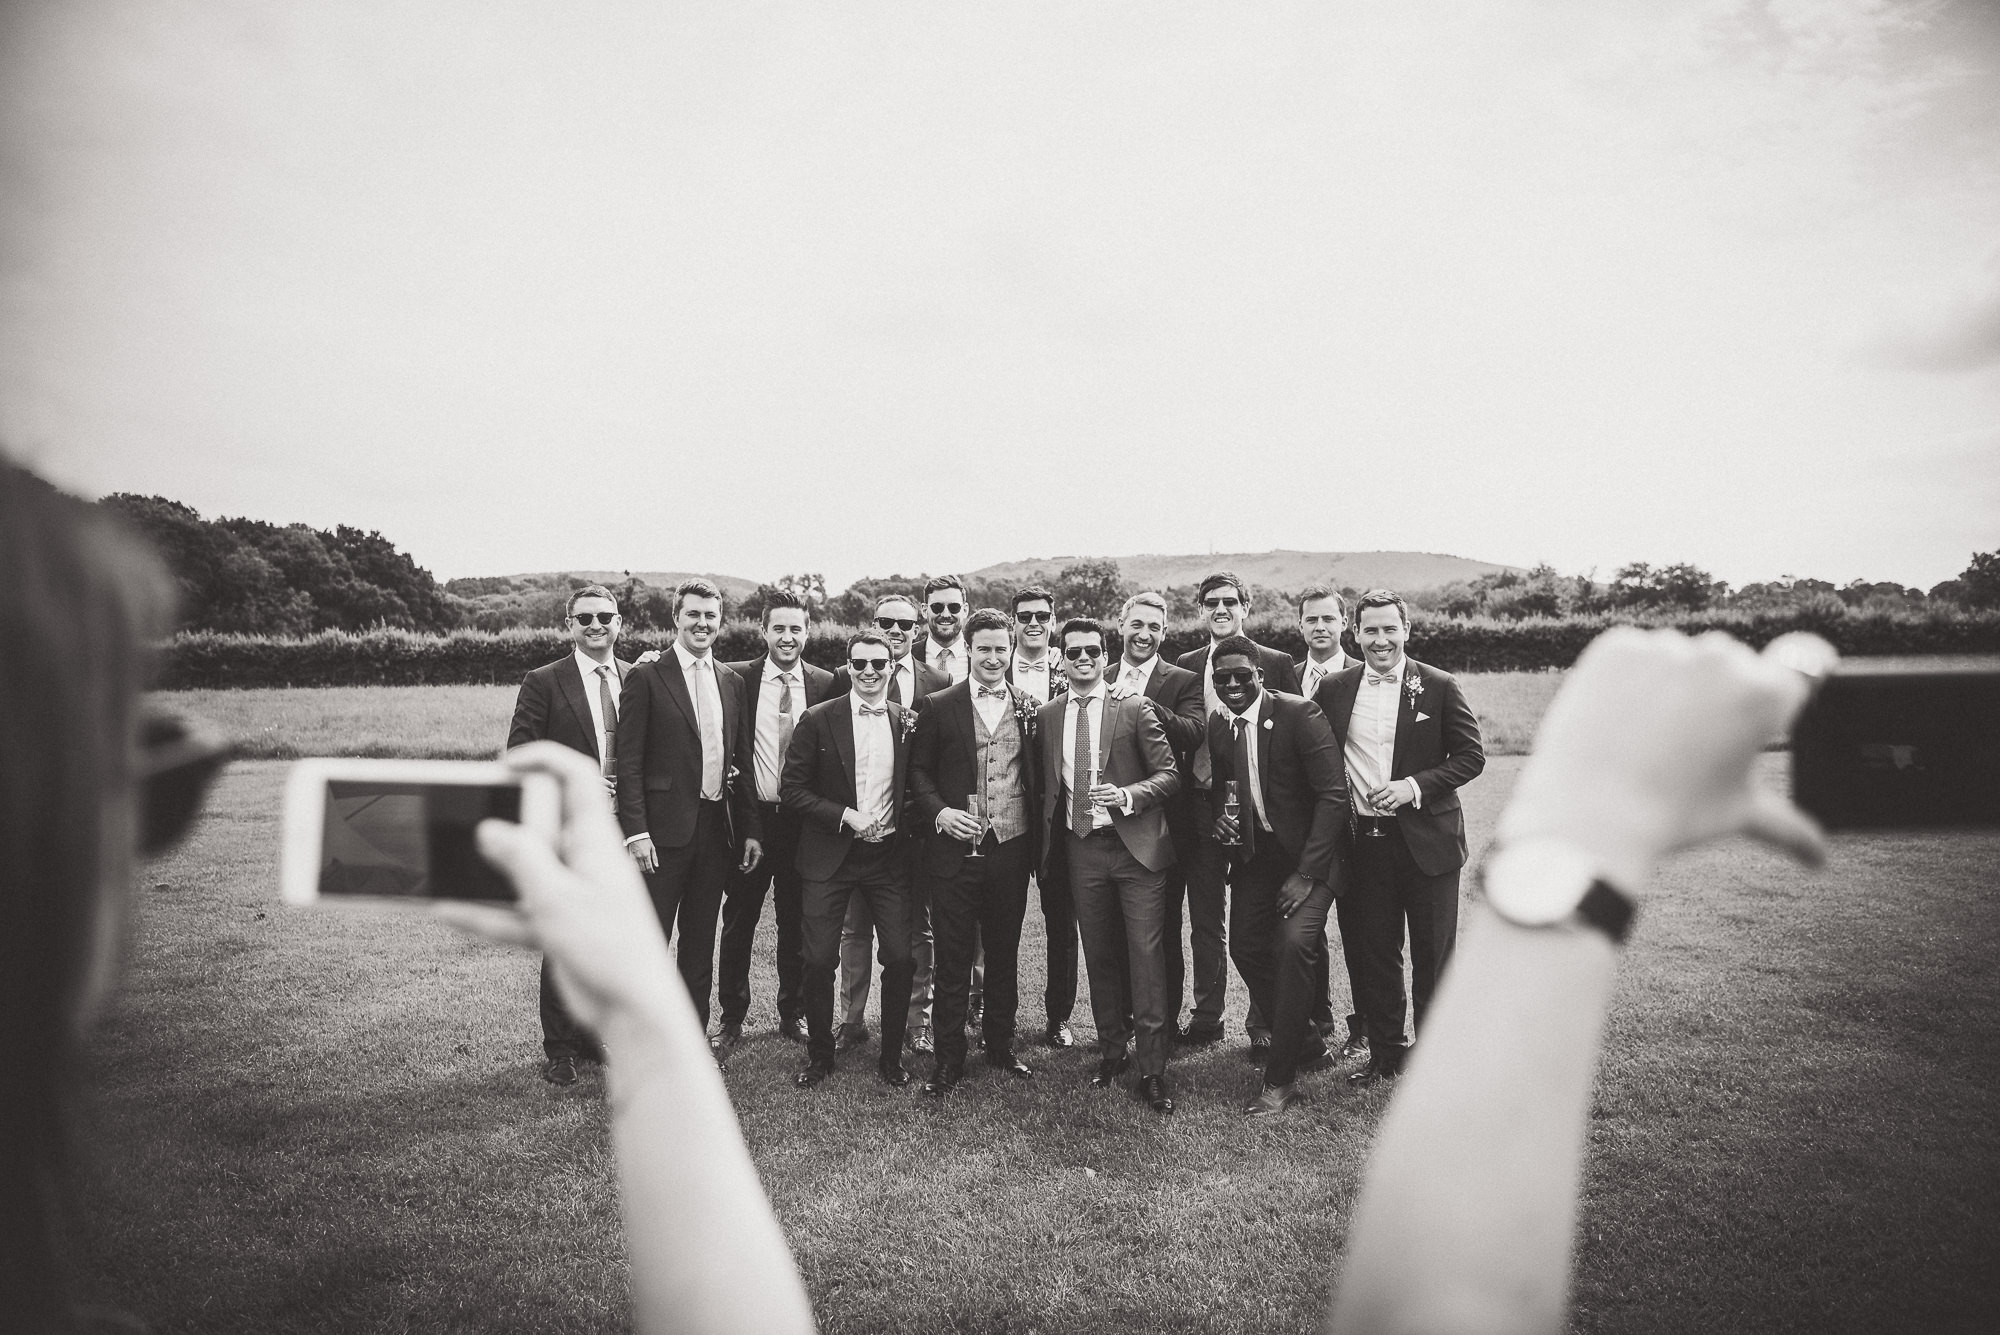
point(176, 763)
point(1077, 651)
point(860, 665)
point(953, 608)
point(1221, 602)
point(602, 618)
point(1236, 677)
point(1034, 618)
point(896, 623)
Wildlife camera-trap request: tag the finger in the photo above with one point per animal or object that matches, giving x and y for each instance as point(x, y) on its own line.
point(528, 863)
point(1773, 819)
point(579, 779)
point(485, 920)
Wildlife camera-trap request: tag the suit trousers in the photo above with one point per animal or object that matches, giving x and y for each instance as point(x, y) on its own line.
point(982, 901)
point(1390, 891)
point(687, 894)
point(1059, 918)
point(1280, 958)
point(743, 908)
point(1121, 914)
point(1200, 873)
point(854, 937)
point(880, 875)
point(562, 1034)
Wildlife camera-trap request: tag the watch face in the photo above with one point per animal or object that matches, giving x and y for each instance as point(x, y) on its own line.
point(1539, 883)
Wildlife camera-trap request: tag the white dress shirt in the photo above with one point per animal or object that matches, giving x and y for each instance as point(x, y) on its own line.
point(1254, 781)
point(1036, 678)
point(588, 667)
point(992, 709)
point(1100, 702)
point(951, 660)
point(874, 767)
point(770, 758)
point(1312, 674)
point(707, 693)
point(1134, 680)
point(1370, 752)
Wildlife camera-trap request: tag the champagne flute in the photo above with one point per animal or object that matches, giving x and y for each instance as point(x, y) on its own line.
point(975, 807)
point(1232, 807)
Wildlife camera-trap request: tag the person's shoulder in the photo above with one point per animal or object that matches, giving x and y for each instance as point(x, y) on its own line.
point(1172, 673)
point(747, 668)
point(1193, 659)
point(547, 671)
point(1429, 675)
point(814, 672)
point(958, 690)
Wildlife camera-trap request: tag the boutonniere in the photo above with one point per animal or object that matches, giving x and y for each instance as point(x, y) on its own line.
point(1413, 686)
point(1024, 715)
point(909, 723)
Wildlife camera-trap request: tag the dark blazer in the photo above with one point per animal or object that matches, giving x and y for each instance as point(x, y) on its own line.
point(552, 707)
point(1437, 744)
point(1177, 697)
point(1279, 674)
point(1136, 756)
point(944, 762)
point(1304, 781)
point(928, 679)
point(819, 782)
point(659, 755)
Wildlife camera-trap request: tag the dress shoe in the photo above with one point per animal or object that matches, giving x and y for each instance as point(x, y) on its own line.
point(560, 1070)
point(813, 1074)
point(1060, 1035)
point(943, 1080)
point(726, 1038)
point(892, 1073)
point(1355, 1048)
point(1260, 1049)
point(1153, 1089)
point(851, 1036)
point(1375, 1072)
point(1273, 1099)
point(1109, 1069)
point(1012, 1065)
point(1318, 1061)
point(919, 1040)
point(794, 1029)
point(1198, 1036)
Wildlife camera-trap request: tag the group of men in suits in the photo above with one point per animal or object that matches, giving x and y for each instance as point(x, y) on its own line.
point(911, 795)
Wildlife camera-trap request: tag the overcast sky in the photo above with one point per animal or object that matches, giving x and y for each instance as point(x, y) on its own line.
point(857, 288)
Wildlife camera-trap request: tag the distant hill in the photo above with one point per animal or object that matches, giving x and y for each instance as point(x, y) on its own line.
point(1402, 571)
point(733, 587)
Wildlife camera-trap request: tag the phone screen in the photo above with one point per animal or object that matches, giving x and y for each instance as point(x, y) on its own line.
point(411, 840)
point(1898, 744)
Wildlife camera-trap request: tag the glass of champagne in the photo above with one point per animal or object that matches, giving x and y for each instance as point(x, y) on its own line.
point(1232, 807)
point(975, 807)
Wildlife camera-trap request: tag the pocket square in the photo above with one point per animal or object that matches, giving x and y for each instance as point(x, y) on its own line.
point(1421, 716)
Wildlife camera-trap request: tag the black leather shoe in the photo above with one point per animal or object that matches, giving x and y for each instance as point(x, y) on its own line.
point(728, 1036)
point(794, 1029)
point(1273, 1099)
point(1318, 1061)
point(1375, 1072)
point(1153, 1089)
point(1260, 1050)
point(1060, 1035)
point(892, 1073)
point(813, 1074)
point(1012, 1065)
point(1109, 1069)
point(943, 1080)
point(1354, 1049)
point(560, 1070)
point(851, 1036)
point(1198, 1036)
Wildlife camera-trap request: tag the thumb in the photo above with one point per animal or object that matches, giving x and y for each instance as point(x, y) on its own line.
point(1776, 821)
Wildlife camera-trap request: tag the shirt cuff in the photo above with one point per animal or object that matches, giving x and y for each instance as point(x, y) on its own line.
point(1125, 796)
point(1416, 793)
point(636, 838)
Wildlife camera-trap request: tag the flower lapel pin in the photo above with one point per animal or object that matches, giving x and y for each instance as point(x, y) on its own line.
point(1413, 686)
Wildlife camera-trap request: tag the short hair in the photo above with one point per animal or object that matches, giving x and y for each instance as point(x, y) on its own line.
point(888, 598)
point(1237, 644)
point(1080, 626)
point(869, 637)
point(988, 618)
point(694, 588)
point(936, 582)
point(588, 591)
point(1146, 599)
point(1381, 598)
point(1028, 594)
point(1220, 578)
point(1315, 591)
point(779, 599)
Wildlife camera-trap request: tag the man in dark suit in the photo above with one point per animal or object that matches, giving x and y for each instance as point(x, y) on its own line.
point(685, 794)
point(845, 776)
point(778, 686)
point(1276, 755)
point(944, 648)
point(910, 680)
point(574, 700)
point(974, 806)
point(1107, 773)
point(1409, 742)
point(1322, 619)
point(1225, 609)
point(1036, 671)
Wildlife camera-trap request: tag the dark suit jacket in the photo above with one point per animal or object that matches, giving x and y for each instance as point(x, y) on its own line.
point(928, 679)
point(551, 706)
point(659, 755)
point(819, 782)
point(1279, 674)
point(1135, 755)
point(1304, 781)
point(1177, 697)
point(819, 685)
point(944, 767)
point(1440, 750)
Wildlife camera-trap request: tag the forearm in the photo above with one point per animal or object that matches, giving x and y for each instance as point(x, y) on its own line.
point(1465, 1218)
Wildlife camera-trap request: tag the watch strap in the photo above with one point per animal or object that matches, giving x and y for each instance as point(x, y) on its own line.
point(1608, 909)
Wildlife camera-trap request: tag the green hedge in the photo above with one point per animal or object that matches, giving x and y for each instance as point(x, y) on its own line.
point(406, 658)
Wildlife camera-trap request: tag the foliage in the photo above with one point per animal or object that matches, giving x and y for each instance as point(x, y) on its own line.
point(1978, 585)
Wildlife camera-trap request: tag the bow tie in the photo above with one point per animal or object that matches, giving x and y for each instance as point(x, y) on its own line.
point(866, 712)
point(1381, 678)
point(998, 692)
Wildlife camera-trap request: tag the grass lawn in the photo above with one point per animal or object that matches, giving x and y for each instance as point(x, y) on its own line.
point(333, 1120)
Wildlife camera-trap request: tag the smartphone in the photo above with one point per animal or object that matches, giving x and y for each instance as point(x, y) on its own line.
point(1901, 744)
point(402, 829)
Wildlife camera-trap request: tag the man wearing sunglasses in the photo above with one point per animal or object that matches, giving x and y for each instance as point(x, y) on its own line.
point(1225, 609)
point(1035, 670)
point(1037, 673)
point(845, 775)
point(1107, 773)
point(574, 701)
point(1285, 842)
point(944, 648)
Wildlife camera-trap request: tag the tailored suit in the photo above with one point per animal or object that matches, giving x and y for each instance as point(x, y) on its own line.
point(985, 898)
point(659, 795)
point(1058, 909)
point(1117, 874)
point(551, 706)
point(1206, 874)
point(1323, 973)
point(836, 868)
point(1300, 790)
point(1411, 876)
point(743, 901)
point(860, 926)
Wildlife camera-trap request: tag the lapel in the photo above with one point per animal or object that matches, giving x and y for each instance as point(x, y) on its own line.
point(968, 727)
point(842, 722)
point(570, 678)
point(753, 685)
point(1344, 692)
point(1266, 725)
point(732, 705)
point(1406, 718)
point(823, 682)
point(900, 750)
point(1107, 732)
point(669, 666)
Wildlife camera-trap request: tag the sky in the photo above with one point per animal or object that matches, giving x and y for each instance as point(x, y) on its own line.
point(769, 287)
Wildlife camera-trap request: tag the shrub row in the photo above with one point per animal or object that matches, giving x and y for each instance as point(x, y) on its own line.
point(408, 658)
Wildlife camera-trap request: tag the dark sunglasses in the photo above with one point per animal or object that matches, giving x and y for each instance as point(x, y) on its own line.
point(953, 608)
point(603, 618)
point(868, 664)
point(1076, 651)
point(896, 623)
point(176, 763)
point(1236, 677)
point(1221, 602)
point(1033, 618)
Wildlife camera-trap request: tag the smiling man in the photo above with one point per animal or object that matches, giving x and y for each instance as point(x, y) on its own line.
point(1035, 670)
point(944, 647)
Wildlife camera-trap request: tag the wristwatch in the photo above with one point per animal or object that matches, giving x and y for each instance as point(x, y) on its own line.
point(1552, 883)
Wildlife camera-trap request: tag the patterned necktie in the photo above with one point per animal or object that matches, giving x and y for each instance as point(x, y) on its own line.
point(607, 705)
point(1080, 775)
point(1313, 673)
point(1246, 818)
point(785, 720)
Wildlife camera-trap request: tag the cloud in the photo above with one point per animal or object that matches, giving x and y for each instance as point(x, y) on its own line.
point(1955, 336)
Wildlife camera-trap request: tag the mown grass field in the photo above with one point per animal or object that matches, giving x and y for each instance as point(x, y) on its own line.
point(333, 1120)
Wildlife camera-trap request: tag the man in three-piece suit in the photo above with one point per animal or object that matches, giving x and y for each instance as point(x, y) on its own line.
point(1286, 835)
point(779, 686)
point(1225, 608)
point(974, 804)
point(1322, 618)
point(845, 777)
point(1107, 773)
point(1035, 670)
point(1409, 742)
point(574, 701)
point(686, 798)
